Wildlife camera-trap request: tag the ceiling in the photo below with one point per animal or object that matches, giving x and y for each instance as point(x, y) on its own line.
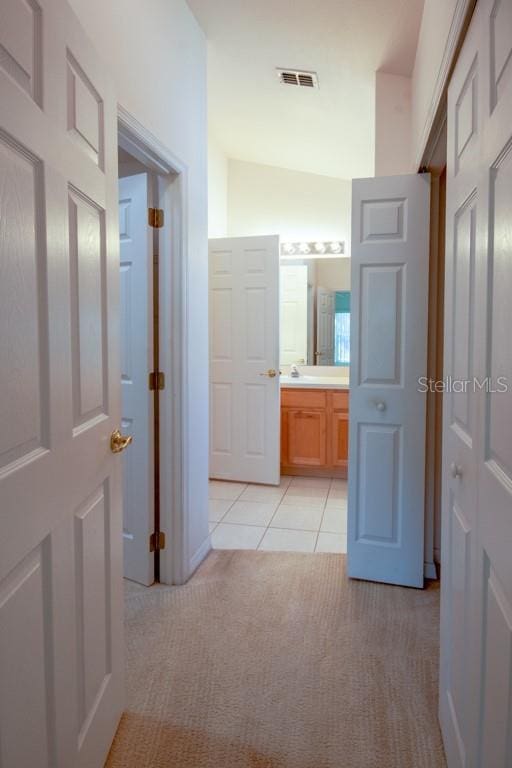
point(328, 131)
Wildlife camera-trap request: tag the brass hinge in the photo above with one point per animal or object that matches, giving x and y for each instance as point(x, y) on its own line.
point(157, 541)
point(155, 217)
point(156, 381)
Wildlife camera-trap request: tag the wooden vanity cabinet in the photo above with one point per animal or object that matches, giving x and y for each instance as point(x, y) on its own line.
point(339, 433)
point(314, 432)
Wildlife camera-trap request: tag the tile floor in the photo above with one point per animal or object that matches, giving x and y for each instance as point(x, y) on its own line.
point(302, 514)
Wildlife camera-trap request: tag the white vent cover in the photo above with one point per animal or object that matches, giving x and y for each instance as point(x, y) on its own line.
point(297, 77)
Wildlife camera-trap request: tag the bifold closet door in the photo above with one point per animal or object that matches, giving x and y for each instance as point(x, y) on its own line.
point(388, 358)
point(476, 597)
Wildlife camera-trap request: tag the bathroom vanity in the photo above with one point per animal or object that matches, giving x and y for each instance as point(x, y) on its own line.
point(314, 426)
point(315, 359)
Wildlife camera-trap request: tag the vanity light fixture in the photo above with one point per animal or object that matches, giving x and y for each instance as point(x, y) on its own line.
point(317, 248)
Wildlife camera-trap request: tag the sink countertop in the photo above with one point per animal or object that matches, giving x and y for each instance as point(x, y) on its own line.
point(315, 382)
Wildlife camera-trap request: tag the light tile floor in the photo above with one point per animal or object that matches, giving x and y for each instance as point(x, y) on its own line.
point(301, 514)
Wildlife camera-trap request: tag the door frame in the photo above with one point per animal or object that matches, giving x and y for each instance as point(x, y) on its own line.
point(172, 174)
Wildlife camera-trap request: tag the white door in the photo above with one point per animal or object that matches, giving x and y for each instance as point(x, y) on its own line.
point(324, 354)
point(294, 314)
point(136, 363)
point(388, 354)
point(476, 586)
point(61, 642)
point(244, 359)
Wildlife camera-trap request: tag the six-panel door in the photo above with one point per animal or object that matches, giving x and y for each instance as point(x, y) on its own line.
point(244, 358)
point(61, 649)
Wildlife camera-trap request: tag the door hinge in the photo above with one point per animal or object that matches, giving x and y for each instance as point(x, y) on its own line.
point(156, 380)
point(155, 217)
point(157, 541)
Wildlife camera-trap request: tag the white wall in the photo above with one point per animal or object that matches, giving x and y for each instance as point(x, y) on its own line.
point(266, 200)
point(217, 190)
point(393, 150)
point(436, 41)
point(333, 274)
point(137, 41)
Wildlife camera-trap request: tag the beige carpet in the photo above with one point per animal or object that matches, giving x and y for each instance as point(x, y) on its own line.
point(276, 660)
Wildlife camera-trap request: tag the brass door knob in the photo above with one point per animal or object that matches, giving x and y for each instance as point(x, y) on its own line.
point(119, 442)
point(271, 373)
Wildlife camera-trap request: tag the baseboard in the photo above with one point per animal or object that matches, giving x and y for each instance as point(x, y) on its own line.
point(340, 473)
point(199, 555)
point(430, 571)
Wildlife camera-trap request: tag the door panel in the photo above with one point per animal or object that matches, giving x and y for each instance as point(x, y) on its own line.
point(381, 331)
point(23, 662)
point(61, 647)
point(380, 512)
point(389, 279)
point(87, 250)
point(25, 385)
point(136, 363)
point(244, 346)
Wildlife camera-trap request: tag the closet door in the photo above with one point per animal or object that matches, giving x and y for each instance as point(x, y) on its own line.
point(493, 565)
point(460, 423)
point(476, 611)
point(388, 358)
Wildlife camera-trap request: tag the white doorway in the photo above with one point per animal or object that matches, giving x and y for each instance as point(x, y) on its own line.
point(155, 525)
point(302, 505)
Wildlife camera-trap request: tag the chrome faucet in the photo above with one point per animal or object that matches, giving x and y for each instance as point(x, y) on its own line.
point(294, 371)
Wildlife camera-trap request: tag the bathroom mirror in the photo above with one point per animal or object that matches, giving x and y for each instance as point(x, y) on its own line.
point(315, 311)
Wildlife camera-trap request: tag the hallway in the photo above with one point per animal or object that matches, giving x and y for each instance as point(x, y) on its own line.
point(276, 660)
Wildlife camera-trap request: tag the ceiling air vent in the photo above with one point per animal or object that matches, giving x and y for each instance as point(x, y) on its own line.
point(296, 77)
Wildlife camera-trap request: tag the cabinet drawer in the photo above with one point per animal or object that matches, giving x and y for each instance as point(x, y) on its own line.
point(303, 398)
point(340, 401)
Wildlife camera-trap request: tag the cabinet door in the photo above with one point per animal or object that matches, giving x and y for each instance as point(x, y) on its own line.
point(339, 439)
point(306, 438)
point(284, 437)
